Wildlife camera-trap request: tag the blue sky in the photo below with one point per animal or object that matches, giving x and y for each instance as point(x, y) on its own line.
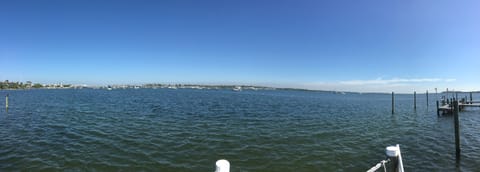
point(335, 45)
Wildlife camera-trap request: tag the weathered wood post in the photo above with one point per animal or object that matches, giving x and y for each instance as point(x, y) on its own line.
point(456, 95)
point(471, 99)
point(438, 109)
point(427, 97)
point(415, 100)
point(447, 94)
point(457, 130)
point(393, 103)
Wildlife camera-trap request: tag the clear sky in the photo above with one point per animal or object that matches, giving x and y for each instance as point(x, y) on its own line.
point(368, 45)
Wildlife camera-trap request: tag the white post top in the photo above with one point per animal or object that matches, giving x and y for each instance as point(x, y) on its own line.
point(392, 151)
point(222, 166)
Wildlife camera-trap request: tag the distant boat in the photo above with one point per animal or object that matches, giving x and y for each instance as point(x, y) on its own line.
point(237, 88)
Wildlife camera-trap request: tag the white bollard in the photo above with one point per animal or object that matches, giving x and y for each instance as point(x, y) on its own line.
point(222, 166)
point(394, 152)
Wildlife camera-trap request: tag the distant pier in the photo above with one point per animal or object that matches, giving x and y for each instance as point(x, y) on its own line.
point(446, 106)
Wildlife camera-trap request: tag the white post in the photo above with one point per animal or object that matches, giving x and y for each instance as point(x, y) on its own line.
point(6, 103)
point(222, 166)
point(394, 152)
point(400, 161)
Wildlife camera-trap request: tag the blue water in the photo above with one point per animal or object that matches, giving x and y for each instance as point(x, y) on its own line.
point(188, 130)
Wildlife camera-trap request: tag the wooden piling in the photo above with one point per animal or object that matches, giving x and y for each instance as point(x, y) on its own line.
point(457, 130)
point(393, 102)
point(427, 97)
point(414, 100)
point(447, 94)
point(438, 109)
point(471, 98)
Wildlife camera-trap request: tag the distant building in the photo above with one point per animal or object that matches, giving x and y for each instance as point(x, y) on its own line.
point(29, 84)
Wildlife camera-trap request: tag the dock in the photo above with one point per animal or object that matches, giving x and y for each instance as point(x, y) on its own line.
point(453, 106)
point(447, 107)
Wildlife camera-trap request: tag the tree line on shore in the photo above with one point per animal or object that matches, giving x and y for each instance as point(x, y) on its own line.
point(19, 85)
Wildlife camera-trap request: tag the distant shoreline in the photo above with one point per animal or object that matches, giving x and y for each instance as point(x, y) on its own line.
point(29, 85)
point(206, 87)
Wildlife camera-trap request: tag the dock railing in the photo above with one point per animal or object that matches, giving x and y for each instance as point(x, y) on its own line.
point(393, 156)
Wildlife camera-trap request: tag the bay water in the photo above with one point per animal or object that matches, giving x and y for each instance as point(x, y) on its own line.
point(264, 130)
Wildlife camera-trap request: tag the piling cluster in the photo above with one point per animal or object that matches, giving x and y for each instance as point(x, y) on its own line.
point(447, 106)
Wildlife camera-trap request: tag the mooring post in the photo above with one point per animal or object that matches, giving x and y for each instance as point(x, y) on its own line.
point(394, 154)
point(414, 100)
point(457, 130)
point(393, 103)
point(456, 95)
point(222, 166)
point(447, 94)
point(6, 102)
point(427, 97)
point(471, 99)
point(438, 109)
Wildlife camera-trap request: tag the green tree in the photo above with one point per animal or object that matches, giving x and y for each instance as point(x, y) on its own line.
point(37, 85)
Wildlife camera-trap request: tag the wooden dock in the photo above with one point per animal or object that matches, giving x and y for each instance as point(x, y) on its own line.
point(454, 106)
point(448, 108)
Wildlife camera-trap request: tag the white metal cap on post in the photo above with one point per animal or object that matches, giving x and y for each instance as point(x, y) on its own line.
point(222, 166)
point(394, 152)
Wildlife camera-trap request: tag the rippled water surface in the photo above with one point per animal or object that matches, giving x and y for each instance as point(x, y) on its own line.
point(188, 130)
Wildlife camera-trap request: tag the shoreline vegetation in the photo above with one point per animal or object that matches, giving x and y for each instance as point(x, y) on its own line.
point(7, 85)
